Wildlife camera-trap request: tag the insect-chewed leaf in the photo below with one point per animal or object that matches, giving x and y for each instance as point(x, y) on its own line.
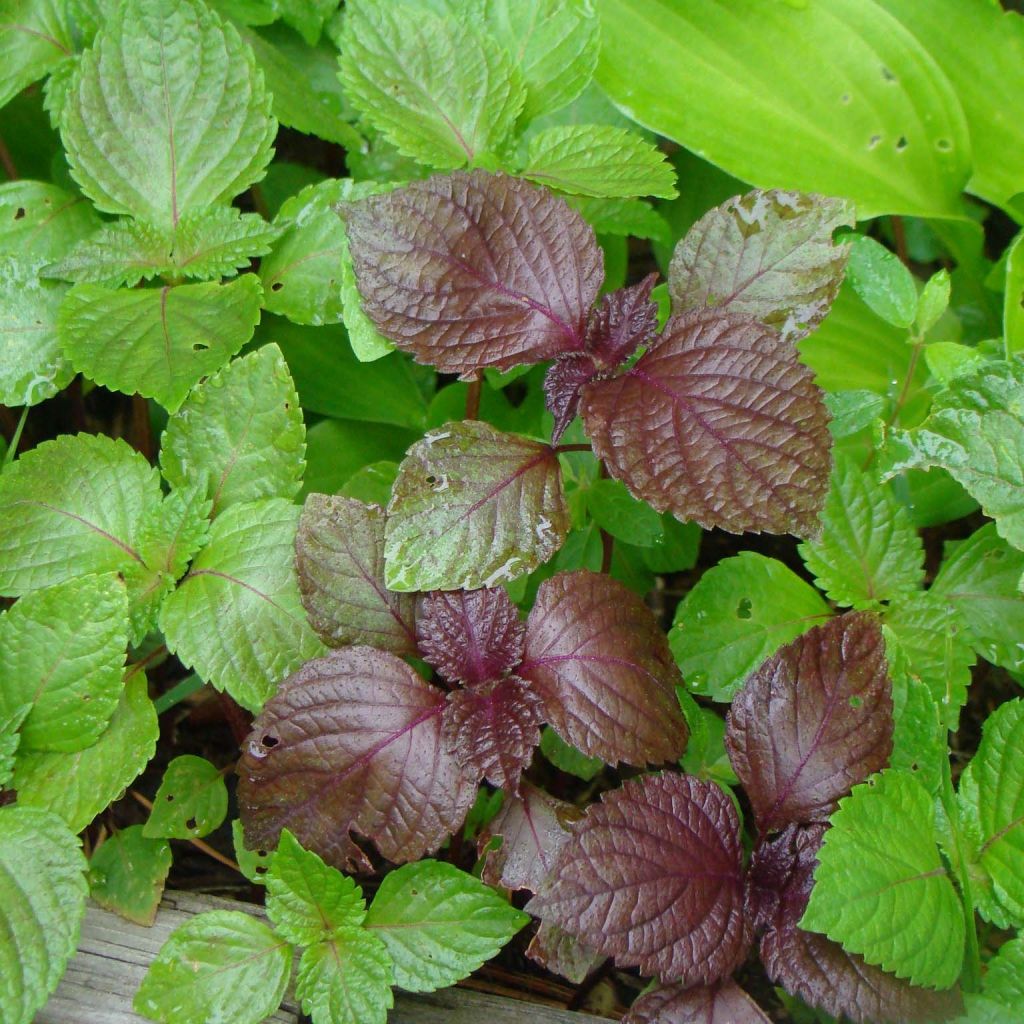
point(813, 721)
point(352, 743)
point(468, 270)
point(603, 669)
point(472, 507)
point(718, 423)
point(724, 1003)
point(534, 827)
point(339, 558)
point(493, 728)
point(470, 635)
point(767, 255)
point(653, 877)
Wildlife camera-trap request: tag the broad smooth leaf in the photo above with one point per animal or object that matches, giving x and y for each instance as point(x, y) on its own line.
point(765, 255)
point(723, 1003)
point(882, 125)
point(352, 743)
point(242, 427)
point(473, 507)
point(220, 965)
point(439, 924)
point(719, 424)
point(813, 721)
point(879, 862)
point(35, 37)
point(879, 277)
point(470, 636)
point(440, 91)
point(127, 874)
point(346, 979)
point(166, 113)
point(42, 902)
point(603, 670)
point(191, 802)
point(566, 757)
point(157, 341)
point(653, 877)
point(237, 618)
point(868, 551)
point(469, 270)
point(306, 899)
point(39, 221)
point(741, 611)
point(533, 827)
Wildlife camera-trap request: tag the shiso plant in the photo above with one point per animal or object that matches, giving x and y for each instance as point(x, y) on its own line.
point(394, 444)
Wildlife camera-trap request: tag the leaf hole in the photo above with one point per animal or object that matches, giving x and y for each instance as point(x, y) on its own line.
point(855, 701)
point(901, 144)
point(277, 286)
point(431, 479)
point(998, 555)
point(19, 213)
point(943, 145)
point(874, 141)
point(270, 740)
point(260, 869)
point(914, 766)
point(170, 798)
point(200, 346)
point(743, 609)
point(191, 824)
point(845, 98)
point(887, 74)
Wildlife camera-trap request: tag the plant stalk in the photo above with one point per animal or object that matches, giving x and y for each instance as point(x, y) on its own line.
point(473, 398)
point(12, 448)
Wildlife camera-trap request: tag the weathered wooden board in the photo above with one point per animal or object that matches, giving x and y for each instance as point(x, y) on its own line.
point(113, 955)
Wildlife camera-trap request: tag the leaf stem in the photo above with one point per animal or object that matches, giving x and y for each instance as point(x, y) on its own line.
point(473, 398)
point(915, 356)
point(235, 717)
point(177, 693)
point(12, 448)
point(559, 448)
point(607, 540)
point(142, 432)
point(7, 162)
point(197, 843)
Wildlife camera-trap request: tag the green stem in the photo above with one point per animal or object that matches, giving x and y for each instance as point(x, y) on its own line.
point(12, 448)
point(177, 693)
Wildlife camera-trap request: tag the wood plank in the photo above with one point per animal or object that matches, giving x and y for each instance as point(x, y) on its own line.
point(113, 955)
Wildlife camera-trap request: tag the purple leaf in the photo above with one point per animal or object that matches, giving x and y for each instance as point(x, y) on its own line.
point(562, 385)
point(604, 671)
point(493, 728)
point(534, 827)
point(469, 635)
point(563, 954)
point(472, 269)
point(813, 721)
point(765, 255)
point(653, 876)
point(719, 424)
point(352, 743)
point(724, 1003)
point(625, 320)
point(819, 970)
point(339, 557)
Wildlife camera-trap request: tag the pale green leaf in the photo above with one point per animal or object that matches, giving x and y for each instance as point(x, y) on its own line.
point(346, 979)
point(167, 113)
point(947, 360)
point(220, 966)
point(439, 923)
point(1004, 979)
point(367, 342)
point(881, 280)
point(241, 430)
point(852, 411)
point(622, 217)
point(9, 740)
point(127, 874)
point(39, 221)
point(599, 160)
point(868, 551)
point(933, 301)
point(34, 38)
point(236, 618)
point(306, 899)
point(739, 613)
point(122, 252)
point(42, 902)
point(882, 124)
point(32, 365)
point(441, 92)
point(158, 341)
point(706, 756)
point(254, 864)
point(191, 802)
point(62, 650)
point(880, 888)
point(615, 510)
point(78, 786)
point(566, 757)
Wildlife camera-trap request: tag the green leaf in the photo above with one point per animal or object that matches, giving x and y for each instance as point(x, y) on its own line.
point(706, 756)
point(566, 757)
point(947, 360)
point(881, 280)
point(852, 411)
point(622, 217)
point(438, 90)
point(1004, 979)
point(1013, 298)
point(242, 430)
point(191, 802)
point(127, 874)
point(677, 549)
point(10, 738)
point(32, 366)
point(882, 125)
point(34, 38)
point(167, 113)
point(473, 507)
point(880, 888)
point(346, 979)
point(41, 222)
point(306, 899)
point(78, 786)
point(868, 551)
point(219, 966)
point(979, 577)
point(976, 432)
point(254, 864)
point(991, 801)
point(336, 449)
point(158, 341)
point(599, 160)
point(933, 302)
point(439, 924)
point(70, 507)
point(739, 613)
point(42, 902)
point(236, 618)
point(62, 651)
point(614, 509)
point(555, 44)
